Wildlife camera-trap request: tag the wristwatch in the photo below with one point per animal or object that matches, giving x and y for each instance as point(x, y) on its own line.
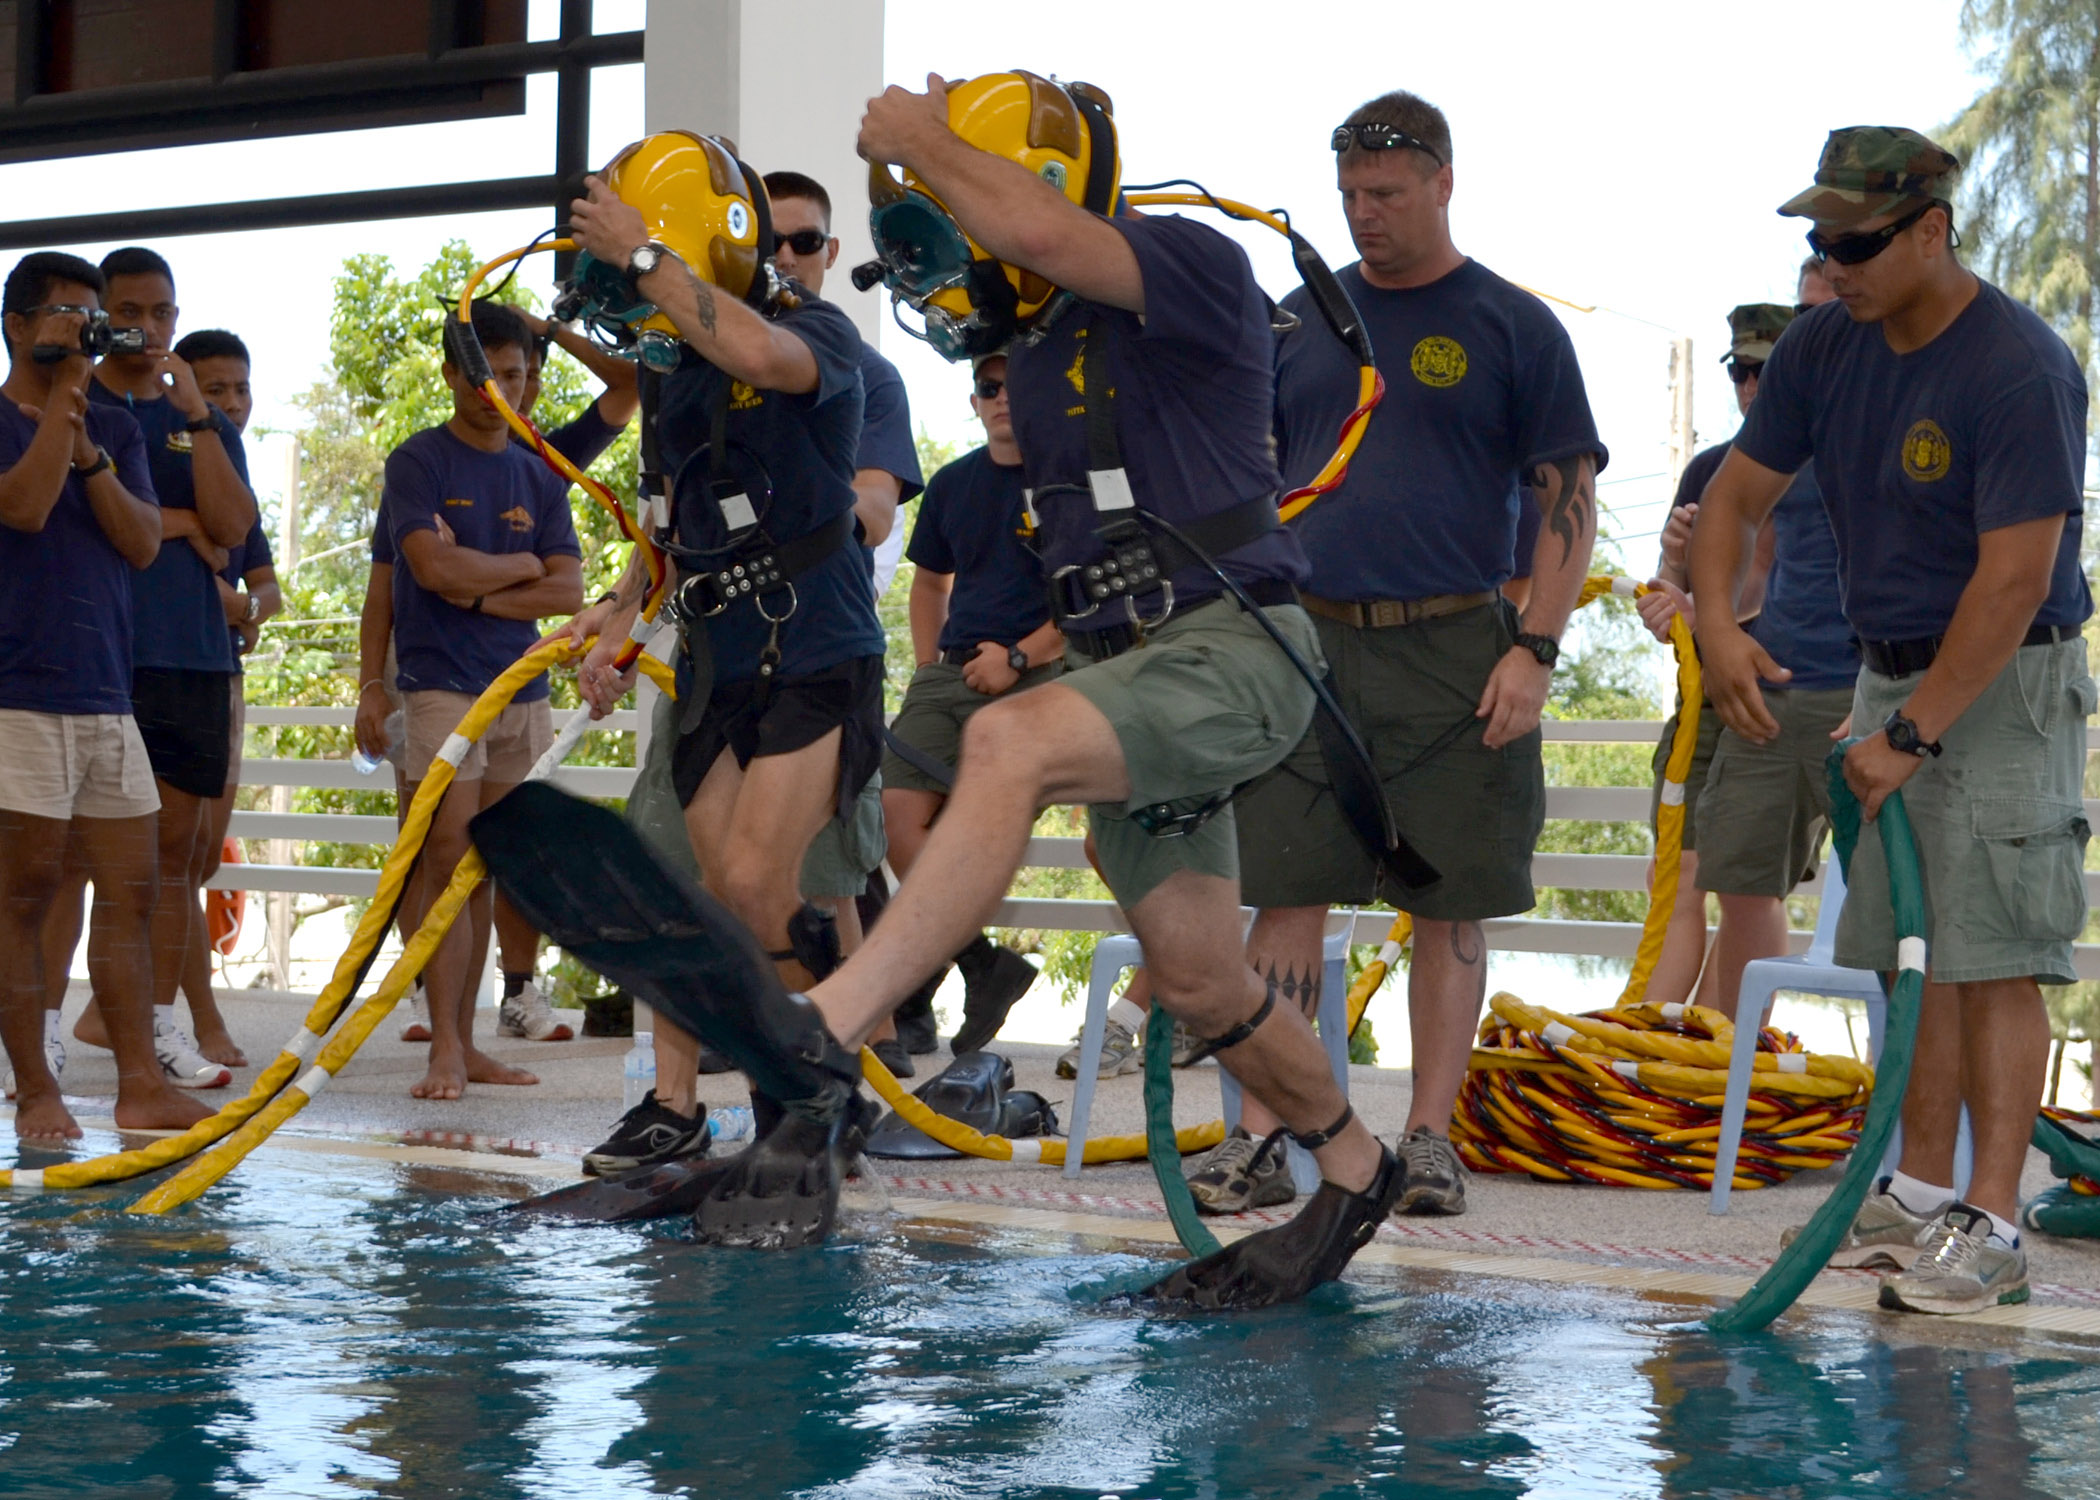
point(1017, 658)
point(211, 421)
point(102, 461)
point(1544, 647)
point(645, 258)
point(1903, 735)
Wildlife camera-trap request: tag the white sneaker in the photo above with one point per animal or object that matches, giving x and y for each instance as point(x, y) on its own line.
point(527, 1014)
point(54, 1059)
point(417, 1027)
point(184, 1065)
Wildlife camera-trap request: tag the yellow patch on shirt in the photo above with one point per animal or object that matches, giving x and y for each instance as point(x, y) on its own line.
point(742, 397)
point(519, 517)
point(1438, 361)
point(460, 501)
point(179, 442)
point(1927, 455)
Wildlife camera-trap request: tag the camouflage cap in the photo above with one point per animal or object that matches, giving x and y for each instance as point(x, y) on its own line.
point(1753, 328)
point(1874, 169)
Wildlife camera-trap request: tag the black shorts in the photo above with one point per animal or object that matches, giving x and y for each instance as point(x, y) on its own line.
point(185, 719)
point(749, 722)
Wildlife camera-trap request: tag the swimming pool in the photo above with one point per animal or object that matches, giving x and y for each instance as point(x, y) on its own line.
point(335, 1326)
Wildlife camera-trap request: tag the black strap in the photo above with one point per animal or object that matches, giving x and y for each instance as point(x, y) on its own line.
point(1238, 1034)
point(918, 759)
point(1218, 533)
point(1313, 1140)
point(1101, 149)
point(760, 567)
point(1103, 452)
point(649, 485)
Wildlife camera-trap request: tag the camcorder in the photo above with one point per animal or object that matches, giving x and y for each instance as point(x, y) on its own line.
point(97, 338)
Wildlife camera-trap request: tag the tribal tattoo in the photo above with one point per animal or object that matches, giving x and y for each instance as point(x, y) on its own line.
point(704, 299)
point(1567, 490)
point(1292, 988)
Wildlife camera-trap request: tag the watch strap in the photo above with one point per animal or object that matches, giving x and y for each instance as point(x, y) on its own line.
point(1017, 658)
point(209, 422)
point(1544, 647)
point(102, 461)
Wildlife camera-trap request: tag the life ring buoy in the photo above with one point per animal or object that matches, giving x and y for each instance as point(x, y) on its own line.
point(224, 911)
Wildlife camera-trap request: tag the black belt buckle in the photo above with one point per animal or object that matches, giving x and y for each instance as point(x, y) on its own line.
point(1162, 821)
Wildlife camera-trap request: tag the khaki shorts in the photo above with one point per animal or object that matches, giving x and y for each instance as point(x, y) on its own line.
point(936, 706)
point(520, 735)
point(2000, 825)
point(1473, 812)
point(839, 860)
point(1766, 807)
point(75, 766)
point(1207, 704)
point(1694, 779)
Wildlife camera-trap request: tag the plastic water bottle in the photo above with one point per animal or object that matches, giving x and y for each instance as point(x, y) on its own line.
point(365, 764)
point(638, 1073)
point(731, 1123)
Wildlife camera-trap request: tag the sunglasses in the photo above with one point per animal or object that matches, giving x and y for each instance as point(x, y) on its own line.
point(1740, 370)
point(1857, 249)
point(1380, 137)
point(988, 389)
point(802, 241)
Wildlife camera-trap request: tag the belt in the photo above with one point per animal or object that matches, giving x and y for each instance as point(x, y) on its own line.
point(1100, 645)
point(1377, 614)
point(1901, 658)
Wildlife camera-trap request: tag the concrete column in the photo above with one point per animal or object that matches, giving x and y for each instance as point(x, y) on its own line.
point(788, 91)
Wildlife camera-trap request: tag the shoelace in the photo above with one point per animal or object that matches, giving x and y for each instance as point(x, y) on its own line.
point(1951, 1250)
point(1242, 1154)
point(1419, 1153)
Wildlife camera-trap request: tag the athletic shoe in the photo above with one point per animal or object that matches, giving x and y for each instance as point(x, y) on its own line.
point(1433, 1178)
point(1960, 1269)
point(417, 1027)
point(54, 1059)
point(891, 1054)
point(1119, 1054)
point(1885, 1236)
point(184, 1065)
point(647, 1134)
point(1241, 1173)
point(988, 996)
point(527, 1014)
point(1189, 1048)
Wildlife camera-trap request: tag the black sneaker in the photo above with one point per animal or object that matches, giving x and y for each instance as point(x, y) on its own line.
point(646, 1135)
point(988, 995)
point(914, 1017)
point(891, 1054)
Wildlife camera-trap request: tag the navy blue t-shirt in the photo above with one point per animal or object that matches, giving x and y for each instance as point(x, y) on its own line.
point(176, 618)
point(1193, 405)
point(804, 449)
point(65, 612)
point(507, 501)
point(886, 440)
point(1481, 388)
point(1802, 623)
point(970, 526)
point(252, 553)
point(1917, 453)
point(580, 440)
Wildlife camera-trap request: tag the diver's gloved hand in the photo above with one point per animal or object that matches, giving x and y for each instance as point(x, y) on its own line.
point(783, 1190)
point(1284, 1263)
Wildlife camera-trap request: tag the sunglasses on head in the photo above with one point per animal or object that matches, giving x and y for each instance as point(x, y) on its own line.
point(802, 241)
point(988, 389)
point(1376, 136)
point(1740, 370)
point(1857, 249)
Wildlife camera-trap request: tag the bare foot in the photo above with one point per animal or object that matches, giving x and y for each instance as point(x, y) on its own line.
point(216, 1043)
point(444, 1080)
point(89, 1028)
point(158, 1106)
point(43, 1117)
point(481, 1068)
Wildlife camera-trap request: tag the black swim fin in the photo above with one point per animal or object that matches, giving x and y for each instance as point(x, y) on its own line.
point(783, 1190)
point(582, 875)
point(1285, 1263)
point(658, 1192)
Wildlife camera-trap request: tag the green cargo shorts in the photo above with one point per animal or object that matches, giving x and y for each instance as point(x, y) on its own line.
point(2000, 825)
point(1207, 703)
point(936, 706)
point(1695, 779)
point(1473, 812)
point(839, 860)
point(1766, 807)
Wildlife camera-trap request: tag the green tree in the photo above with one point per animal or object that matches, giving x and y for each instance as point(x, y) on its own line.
point(2030, 142)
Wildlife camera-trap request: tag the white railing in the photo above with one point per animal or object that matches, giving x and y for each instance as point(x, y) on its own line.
point(1590, 872)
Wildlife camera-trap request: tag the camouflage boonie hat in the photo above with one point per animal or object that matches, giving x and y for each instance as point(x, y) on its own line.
point(1753, 328)
point(1868, 170)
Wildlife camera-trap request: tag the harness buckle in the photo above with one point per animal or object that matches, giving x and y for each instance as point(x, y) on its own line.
point(1162, 821)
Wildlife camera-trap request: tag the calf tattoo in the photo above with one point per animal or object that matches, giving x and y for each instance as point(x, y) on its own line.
point(1567, 490)
point(1468, 945)
point(1292, 988)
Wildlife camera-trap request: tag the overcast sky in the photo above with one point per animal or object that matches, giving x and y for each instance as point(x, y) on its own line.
point(1624, 154)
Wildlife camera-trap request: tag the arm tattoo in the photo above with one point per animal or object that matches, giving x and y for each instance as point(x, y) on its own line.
point(1571, 505)
point(704, 299)
point(1292, 988)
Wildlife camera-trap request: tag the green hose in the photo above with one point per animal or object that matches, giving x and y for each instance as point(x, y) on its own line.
point(1788, 1276)
point(1160, 1144)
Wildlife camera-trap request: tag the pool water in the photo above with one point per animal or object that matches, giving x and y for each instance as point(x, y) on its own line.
point(342, 1327)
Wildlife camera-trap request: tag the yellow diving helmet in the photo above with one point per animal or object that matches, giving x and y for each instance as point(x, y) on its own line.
point(972, 304)
point(703, 204)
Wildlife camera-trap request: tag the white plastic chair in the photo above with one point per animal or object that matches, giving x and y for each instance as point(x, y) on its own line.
point(1815, 973)
point(1119, 951)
